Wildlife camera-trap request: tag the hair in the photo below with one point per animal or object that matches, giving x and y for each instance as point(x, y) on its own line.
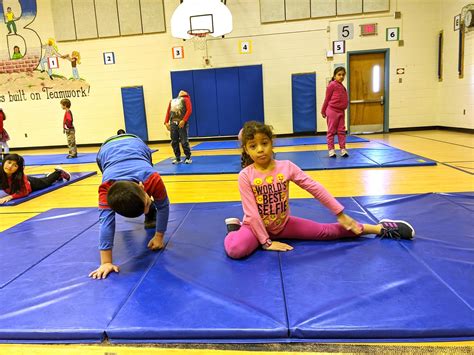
point(17, 177)
point(77, 55)
point(337, 70)
point(66, 102)
point(9, 8)
point(16, 47)
point(120, 131)
point(250, 129)
point(126, 198)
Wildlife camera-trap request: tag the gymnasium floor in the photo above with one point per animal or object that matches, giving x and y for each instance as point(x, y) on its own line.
point(453, 151)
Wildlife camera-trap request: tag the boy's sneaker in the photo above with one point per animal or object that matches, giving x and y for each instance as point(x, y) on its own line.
point(188, 161)
point(71, 156)
point(176, 161)
point(233, 224)
point(64, 174)
point(332, 153)
point(396, 229)
point(344, 153)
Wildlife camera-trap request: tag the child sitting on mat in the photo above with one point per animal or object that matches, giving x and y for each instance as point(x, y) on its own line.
point(130, 187)
point(17, 184)
point(264, 187)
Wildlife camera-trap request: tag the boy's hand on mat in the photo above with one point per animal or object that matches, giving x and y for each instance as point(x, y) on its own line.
point(156, 242)
point(5, 199)
point(103, 270)
point(279, 246)
point(348, 223)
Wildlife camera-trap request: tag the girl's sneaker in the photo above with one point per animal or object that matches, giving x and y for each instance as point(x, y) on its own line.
point(233, 224)
point(332, 153)
point(344, 153)
point(64, 174)
point(396, 229)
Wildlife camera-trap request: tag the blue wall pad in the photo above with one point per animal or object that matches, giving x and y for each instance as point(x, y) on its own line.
point(358, 290)
point(55, 300)
point(306, 160)
point(196, 292)
point(278, 142)
point(303, 102)
point(75, 177)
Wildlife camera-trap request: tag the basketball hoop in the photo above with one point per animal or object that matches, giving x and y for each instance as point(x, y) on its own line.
point(199, 36)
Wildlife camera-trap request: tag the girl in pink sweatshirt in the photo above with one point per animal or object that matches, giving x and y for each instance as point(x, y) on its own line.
point(335, 103)
point(264, 188)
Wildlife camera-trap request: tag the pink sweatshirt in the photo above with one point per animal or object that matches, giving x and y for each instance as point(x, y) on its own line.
point(336, 97)
point(265, 197)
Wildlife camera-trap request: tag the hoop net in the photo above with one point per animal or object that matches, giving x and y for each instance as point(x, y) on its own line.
point(199, 38)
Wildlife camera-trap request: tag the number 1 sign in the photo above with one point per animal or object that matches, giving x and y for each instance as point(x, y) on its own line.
point(53, 63)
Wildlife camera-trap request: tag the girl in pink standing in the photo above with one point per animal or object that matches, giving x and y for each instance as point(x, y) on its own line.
point(335, 103)
point(264, 188)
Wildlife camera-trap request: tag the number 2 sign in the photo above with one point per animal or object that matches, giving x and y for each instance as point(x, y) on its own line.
point(109, 58)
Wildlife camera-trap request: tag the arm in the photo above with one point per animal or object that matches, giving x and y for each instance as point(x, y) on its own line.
point(155, 187)
point(189, 108)
point(24, 191)
point(250, 208)
point(329, 92)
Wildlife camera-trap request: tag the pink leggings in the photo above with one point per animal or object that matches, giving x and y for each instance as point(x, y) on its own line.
point(243, 242)
point(336, 125)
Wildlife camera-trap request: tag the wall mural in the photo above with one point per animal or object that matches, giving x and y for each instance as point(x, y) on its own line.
point(30, 69)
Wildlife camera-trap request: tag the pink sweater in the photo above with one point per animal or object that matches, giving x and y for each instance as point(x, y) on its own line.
point(336, 97)
point(265, 197)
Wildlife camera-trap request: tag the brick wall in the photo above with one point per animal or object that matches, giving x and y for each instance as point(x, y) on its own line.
point(25, 64)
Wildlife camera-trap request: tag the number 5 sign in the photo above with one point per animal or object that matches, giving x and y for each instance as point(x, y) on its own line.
point(393, 34)
point(345, 31)
point(339, 47)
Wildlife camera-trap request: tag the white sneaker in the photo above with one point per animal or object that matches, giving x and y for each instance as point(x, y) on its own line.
point(344, 153)
point(188, 161)
point(332, 153)
point(233, 224)
point(176, 161)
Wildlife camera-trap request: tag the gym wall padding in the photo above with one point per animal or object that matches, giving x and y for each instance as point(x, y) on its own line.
point(223, 99)
point(134, 113)
point(303, 92)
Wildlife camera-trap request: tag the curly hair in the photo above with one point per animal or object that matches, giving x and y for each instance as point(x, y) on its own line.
point(251, 128)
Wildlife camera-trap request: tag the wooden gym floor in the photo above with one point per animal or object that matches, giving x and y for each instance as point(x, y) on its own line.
point(453, 151)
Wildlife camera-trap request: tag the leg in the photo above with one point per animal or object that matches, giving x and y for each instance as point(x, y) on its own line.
point(75, 73)
point(43, 182)
point(341, 130)
point(174, 129)
point(14, 26)
point(183, 137)
point(9, 26)
point(71, 142)
point(42, 62)
point(241, 243)
point(332, 128)
point(300, 228)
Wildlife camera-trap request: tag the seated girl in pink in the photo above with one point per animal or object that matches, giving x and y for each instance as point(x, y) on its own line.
point(264, 188)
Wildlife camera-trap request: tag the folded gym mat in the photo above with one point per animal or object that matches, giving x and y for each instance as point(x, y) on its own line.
point(278, 142)
point(75, 177)
point(306, 160)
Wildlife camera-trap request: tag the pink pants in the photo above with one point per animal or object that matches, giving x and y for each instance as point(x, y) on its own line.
point(243, 242)
point(336, 125)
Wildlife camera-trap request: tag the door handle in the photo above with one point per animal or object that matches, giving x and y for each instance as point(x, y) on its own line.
point(367, 101)
point(381, 100)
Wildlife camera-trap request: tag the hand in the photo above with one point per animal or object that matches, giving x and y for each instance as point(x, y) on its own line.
point(181, 124)
point(5, 199)
point(348, 223)
point(279, 246)
point(323, 114)
point(156, 242)
point(167, 126)
point(103, 270)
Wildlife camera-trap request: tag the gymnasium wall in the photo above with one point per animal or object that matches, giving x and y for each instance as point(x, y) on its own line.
point(283, 48)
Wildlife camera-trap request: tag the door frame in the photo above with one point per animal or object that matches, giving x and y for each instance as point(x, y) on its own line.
point(386, 52)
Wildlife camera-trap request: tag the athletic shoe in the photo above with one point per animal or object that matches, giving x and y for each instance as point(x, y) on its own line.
point(188, 161)
point(332, 153)
point(64, 174)
point(396, 229)
point(71, 156)
point(176, 161)
point(233, 224)
point(344, 153)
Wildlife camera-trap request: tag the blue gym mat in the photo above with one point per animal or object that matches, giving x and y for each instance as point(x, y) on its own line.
point(306, 160)
point(278, 142)
point(75, 177)
point(55, 159)
point(358, 290)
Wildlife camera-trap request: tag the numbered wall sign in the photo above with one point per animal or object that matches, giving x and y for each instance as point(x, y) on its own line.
point(345, 31)
point(457, 22)
point(245, 47)
point(393, 34)
point(109, 58)
point(53, 63)
point(339, 47)
point(178, 52)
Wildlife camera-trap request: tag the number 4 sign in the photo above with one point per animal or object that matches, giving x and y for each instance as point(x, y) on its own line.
point(339, 47)
point(178, 52)
point(245, 47)
point(393, 34)
point(53, 63)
